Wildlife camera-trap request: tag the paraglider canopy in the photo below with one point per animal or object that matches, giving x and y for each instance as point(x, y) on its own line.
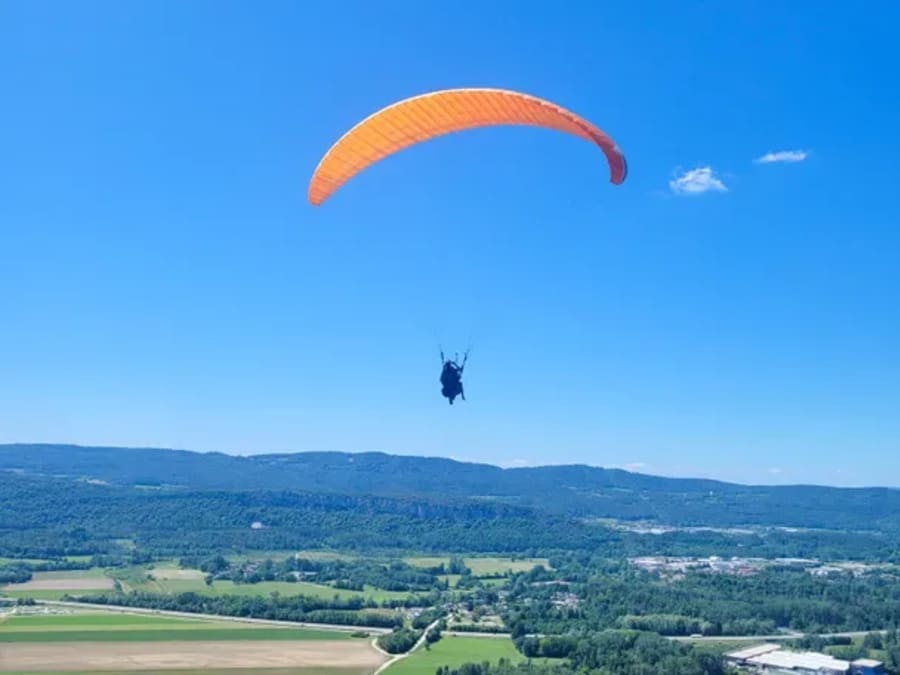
point(420, 118)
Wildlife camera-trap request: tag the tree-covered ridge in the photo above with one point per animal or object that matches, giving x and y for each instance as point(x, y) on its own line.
point(51, 517)
point(577, 491)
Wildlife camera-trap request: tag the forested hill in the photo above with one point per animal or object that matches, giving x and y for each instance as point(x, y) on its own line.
point(579, 491)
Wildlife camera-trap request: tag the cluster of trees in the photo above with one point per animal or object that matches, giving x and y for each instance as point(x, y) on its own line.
point(399, 641)
point(426, 618)
point(432, 636)
point(14, 574)
point(403, 639)
point(354, 575)
point(617, 596)
point(347, 612)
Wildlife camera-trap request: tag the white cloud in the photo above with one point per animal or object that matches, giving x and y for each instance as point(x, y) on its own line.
point(782, 156)
point(696, 182)
point(634, 466)
point(774, 471)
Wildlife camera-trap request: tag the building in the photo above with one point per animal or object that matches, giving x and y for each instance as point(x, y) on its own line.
point(740, 657)
point(772, 659)
point(866, 667)
point(800, 662)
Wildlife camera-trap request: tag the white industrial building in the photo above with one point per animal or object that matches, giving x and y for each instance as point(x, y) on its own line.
point(772, 659)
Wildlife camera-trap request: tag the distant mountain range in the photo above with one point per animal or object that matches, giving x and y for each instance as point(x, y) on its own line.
point(575, 491)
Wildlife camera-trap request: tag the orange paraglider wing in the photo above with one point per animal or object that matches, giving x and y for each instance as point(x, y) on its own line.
point(421, 118)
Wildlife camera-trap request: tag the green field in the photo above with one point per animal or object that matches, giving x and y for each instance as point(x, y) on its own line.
point(54, 585)
point(486, 567)
point(170, 580)
point(39, 561)
point(282, 555)
point(89, 619)
point(718, 647)
point(92, 573)
point(121, 627)
point(483, 567)
point(427, 561)
point(41, 595)
point(454, 651)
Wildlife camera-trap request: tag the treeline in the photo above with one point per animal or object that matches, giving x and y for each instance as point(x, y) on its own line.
point(666, 624)
point(616, 596)
point(348, 612)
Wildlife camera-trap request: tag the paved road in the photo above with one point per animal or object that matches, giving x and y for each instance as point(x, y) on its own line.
point(212, 617)
point(771, 638)
point(736, 638)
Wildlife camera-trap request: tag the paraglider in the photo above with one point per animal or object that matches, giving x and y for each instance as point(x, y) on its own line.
point(421, 118)
point(451, 377)
point(427, 116)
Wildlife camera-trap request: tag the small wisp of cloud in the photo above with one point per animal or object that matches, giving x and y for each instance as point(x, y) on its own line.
point(696, 182)
point(782, 157)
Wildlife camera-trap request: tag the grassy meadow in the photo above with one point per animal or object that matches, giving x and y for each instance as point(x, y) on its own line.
point(482, 567)
point(91, 626)
point(454, 651)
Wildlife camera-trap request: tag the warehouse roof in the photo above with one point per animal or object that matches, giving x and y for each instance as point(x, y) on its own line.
point(803, 660)
point(750, 652)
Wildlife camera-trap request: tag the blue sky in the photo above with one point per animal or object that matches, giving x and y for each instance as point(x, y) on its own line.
point(166, 283)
